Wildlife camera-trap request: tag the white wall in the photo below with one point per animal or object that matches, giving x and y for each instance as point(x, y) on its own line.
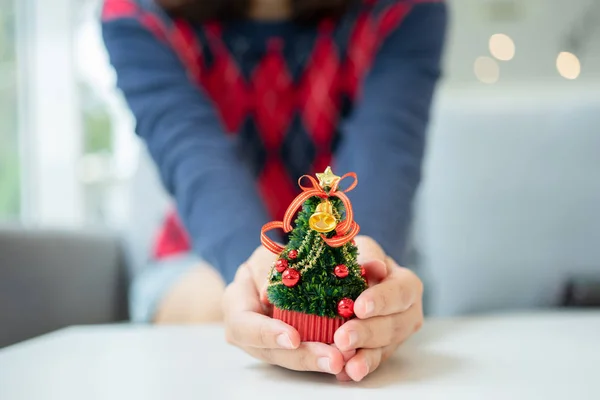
point(539, 28)
point(510, 207)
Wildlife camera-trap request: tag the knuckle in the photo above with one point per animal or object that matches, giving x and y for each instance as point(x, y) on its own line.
point(388, 351)
point(389, 260)
point(381, 302)
point(420, 286)
point(395, 328)
point(418, 326)
point(366, 333)
point(420, 321)
point(370, 243)
point(373, 359)
point(229, 337)
point(267, 356)
point(416, 281)
point(263, 336)
point(378, 358)
point(403, 330)
point(304, 361)
point(406, 298)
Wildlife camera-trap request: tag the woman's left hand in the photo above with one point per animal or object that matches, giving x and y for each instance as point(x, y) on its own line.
point(388, 312)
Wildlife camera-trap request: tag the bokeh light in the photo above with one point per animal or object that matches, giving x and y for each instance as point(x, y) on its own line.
point(502, 47)
point(568, 65)
point(486, 70)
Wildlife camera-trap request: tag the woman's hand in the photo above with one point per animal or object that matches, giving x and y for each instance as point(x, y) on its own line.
point(387, 313)
point(249, 327)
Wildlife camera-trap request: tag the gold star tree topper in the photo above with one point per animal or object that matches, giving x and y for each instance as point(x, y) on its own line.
point(327, 178)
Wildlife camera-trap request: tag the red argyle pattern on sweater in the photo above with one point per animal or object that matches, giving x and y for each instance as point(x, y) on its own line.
point(271, 96)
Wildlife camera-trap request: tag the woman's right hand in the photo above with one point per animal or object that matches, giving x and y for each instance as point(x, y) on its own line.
point(249, 326)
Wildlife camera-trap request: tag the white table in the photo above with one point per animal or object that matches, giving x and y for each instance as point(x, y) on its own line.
point(524, 356)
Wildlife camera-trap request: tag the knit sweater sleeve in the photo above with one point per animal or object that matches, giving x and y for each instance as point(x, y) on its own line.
point(384, 139)
point(214, 191)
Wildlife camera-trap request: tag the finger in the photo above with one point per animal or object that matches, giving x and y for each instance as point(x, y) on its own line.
point(264, 298)
point(310, 356)
point(367, 361)
point(400, 290)
point(343, 376)
point(369, 250)
point(376, 271)
point(260, 263)
point(378, 331)
point(250, 329)
point(241, 294)
point(246, 326)
point(347, 355)
point(372, 257)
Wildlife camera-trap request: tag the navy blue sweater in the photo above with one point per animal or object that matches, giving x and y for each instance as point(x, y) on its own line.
point(234, 113)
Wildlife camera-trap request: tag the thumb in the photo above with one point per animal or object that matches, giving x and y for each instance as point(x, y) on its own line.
point(264, 298)
point(372, 257)
point(376, 271)
point(369, 250)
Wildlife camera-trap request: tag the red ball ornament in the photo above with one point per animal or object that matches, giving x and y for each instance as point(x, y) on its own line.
point(290, 277)
point(293, 254)
point(341, 271)
point(363, 271)
point(346, 308)
point(281, 265)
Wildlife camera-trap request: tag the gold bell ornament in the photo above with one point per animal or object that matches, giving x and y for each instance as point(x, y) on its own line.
point(323, 220)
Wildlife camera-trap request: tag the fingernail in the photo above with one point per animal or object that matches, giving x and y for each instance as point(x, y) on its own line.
point(343, 377)
point(352, 338)
point(324, 364)
point(284, 341)
point(369, 308)
point(367, 369)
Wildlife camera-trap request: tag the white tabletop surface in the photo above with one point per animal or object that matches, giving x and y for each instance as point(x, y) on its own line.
point(510, 357)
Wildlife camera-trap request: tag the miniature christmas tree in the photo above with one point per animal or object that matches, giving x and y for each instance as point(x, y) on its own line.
point(316, 278)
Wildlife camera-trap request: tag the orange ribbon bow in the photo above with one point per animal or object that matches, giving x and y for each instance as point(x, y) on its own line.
point(345, 230)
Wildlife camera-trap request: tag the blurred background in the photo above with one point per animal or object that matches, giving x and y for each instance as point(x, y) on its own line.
point(508, 215)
